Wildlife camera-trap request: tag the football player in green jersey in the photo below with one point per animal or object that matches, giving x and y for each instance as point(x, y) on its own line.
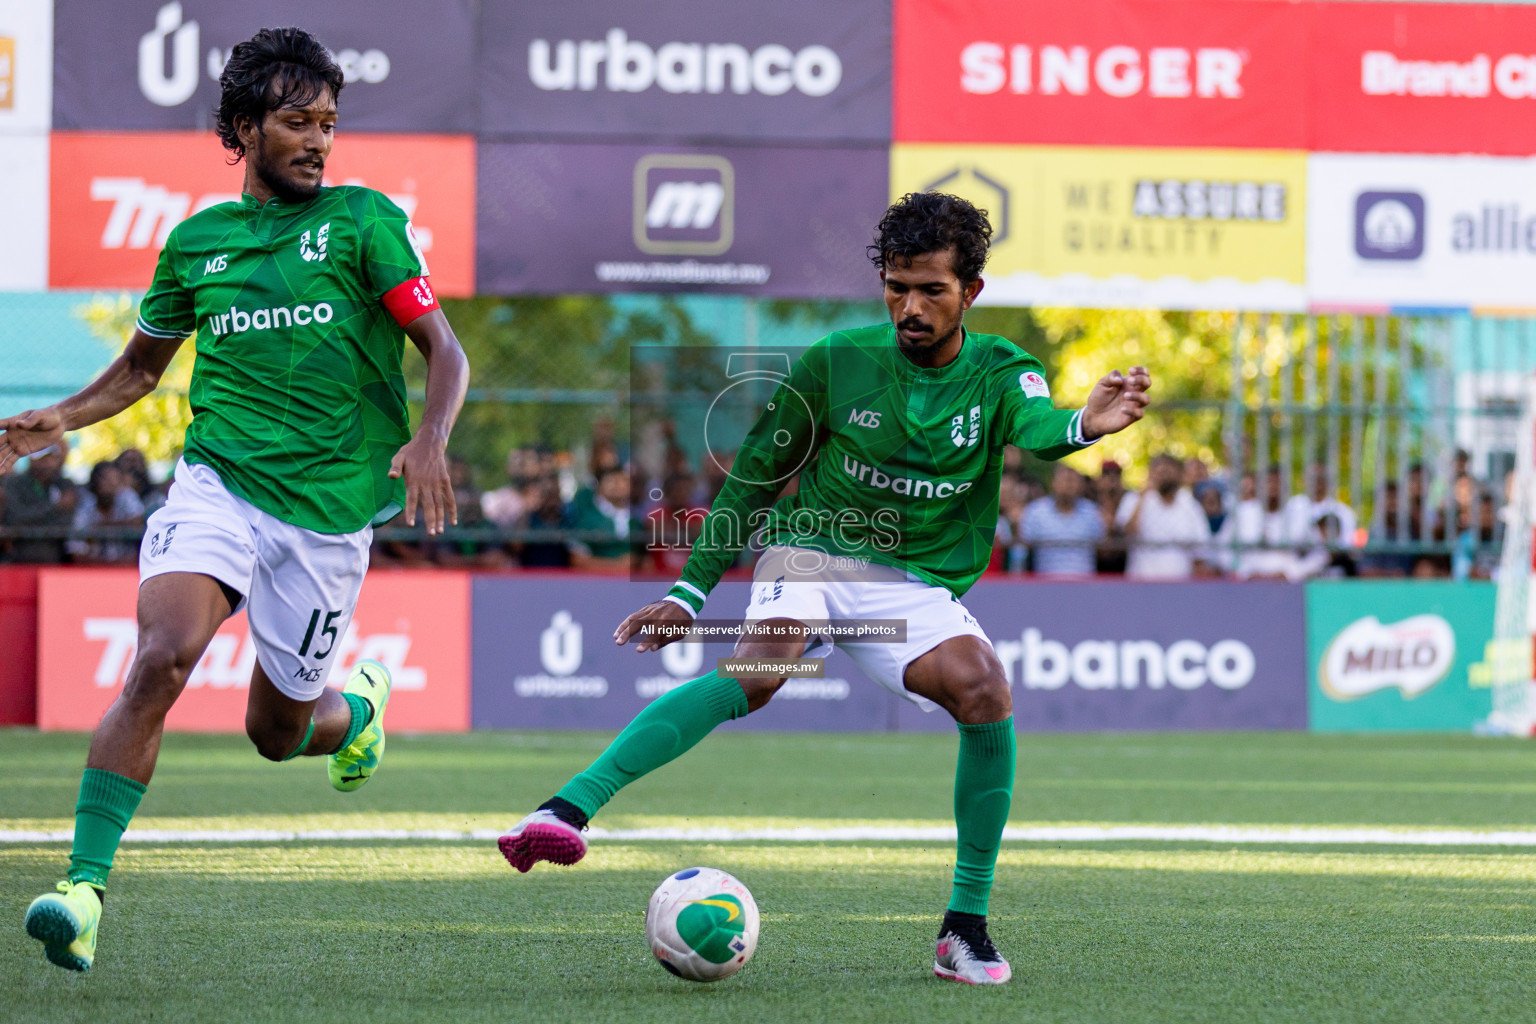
point(897, 435)
point(302, 297)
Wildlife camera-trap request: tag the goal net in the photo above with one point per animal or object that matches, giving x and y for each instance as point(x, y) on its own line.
point(1510, 655)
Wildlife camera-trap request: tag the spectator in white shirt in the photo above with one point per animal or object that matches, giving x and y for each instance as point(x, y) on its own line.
point(1277, 540)
point(1164, 525)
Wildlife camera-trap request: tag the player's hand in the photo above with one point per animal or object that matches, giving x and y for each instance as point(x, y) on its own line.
point(28, 433)
point(1116, 401)
point(424, 465)
point(663, 614)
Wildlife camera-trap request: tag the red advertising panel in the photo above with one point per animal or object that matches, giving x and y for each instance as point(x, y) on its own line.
point(116, 196)
point(415, 623)
point(1112, 72)
point(1424, 78)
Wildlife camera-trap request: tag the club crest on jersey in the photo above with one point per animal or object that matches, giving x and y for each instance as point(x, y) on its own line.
point(957, 428)
point(315, 253)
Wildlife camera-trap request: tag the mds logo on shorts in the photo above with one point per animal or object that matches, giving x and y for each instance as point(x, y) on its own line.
point(684, 204)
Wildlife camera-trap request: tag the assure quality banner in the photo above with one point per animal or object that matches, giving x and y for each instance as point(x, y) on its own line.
point(417, 624)
point(1394, 657)
point(150, 65)
point(600, 218)
point(1170, 228)
point(687, 69)
point(116, 197)
point(1421, 231)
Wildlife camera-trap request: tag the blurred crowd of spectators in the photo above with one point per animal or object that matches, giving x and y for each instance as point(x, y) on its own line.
point(554, 510)
point(1187, 523)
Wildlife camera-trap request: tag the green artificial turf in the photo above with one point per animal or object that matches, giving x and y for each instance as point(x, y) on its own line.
point(1097, 932)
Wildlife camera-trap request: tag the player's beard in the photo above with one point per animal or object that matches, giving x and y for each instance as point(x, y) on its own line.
point(286, 189)
point(922, 349)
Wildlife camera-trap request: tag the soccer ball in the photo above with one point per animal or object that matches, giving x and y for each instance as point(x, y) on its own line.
point(702, 924)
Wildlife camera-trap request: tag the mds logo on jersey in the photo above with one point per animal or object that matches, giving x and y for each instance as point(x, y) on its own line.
point(958, 428)
point(684, 205)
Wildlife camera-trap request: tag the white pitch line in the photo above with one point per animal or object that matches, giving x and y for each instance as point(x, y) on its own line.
point(1043, 834)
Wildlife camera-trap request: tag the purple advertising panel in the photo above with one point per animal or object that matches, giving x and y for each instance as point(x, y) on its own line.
point(1144, 656)
point(544, 658)
point(151, 65)
point(649, 69)
point(1079, 656)
point(751, 219)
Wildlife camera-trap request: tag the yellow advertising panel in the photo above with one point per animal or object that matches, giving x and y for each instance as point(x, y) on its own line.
point(1094, 226)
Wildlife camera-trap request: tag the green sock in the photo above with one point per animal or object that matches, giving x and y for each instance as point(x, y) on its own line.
point(106, 805)
point(670, 725)
point(362, 710)
point(983, 793)
point(303, 742)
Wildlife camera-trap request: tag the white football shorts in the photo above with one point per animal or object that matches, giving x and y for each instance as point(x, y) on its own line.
point(812, 587)
point(300, 587)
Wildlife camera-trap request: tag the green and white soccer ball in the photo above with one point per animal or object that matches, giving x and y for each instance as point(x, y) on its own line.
point(702, 924)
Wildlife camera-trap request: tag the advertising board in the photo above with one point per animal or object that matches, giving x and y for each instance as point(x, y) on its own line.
point(604, 218)
point(416, 624)
point(1091, 226)
point(154, 65)
point(26, 67)
point(1397, 656)
point(1421, 231)
point(1210, 73)
point(116, 196)
point(655, 70)
point(24, 212)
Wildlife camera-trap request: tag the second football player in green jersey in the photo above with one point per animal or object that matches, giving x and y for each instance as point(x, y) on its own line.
point(903, 462)
point(297, 393)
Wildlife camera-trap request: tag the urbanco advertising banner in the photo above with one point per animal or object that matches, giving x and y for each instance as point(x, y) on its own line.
point(545, 659)
point(148, 65)
point(662, 69)
point(416, 624)
point(758, 220)
point(1078, 656)
point(116, 196)
point(26, 67)
point(1387, 656)
point(1423, 78)
point(24, 212)
point(1143, 656)
point(1421, 231)
point(1211, 73)
point(1088, 226)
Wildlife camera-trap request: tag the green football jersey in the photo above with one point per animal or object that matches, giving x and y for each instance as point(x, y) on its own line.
point(298, 398)
point(898, 464)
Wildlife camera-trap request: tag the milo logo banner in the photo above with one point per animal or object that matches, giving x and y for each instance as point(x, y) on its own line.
point(1397, 656)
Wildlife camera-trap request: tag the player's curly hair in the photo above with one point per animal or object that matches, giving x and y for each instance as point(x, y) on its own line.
point(924, 222)
point(274, 69)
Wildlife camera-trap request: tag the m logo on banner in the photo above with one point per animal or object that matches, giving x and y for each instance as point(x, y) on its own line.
point(684, 204)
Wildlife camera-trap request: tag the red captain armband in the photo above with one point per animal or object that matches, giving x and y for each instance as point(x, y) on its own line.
point(410, 299)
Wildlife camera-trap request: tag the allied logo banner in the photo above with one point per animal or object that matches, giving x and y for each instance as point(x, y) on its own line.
point(116, 197)
point(1406, 656)
point(1421, 231)
point(599, 218)
point(792, 70)
point(416, 624)
point(155, 64)
point(26, 67)
point(1091, 226)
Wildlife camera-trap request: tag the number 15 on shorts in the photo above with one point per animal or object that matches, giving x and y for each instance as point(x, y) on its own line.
point(327, 630)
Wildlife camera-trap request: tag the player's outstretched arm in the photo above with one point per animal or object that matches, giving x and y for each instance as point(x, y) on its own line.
point(665, 619)
point(423, 462)
point(128, 378)
point(1116, 401)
